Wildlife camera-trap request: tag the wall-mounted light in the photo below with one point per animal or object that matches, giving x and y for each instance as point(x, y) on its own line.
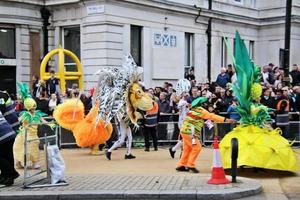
point(3, 30)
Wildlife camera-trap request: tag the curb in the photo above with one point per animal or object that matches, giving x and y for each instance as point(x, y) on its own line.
point(243, 188)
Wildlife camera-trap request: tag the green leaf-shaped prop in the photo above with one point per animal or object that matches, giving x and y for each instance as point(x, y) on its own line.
point(24, 91)
point(247, 74)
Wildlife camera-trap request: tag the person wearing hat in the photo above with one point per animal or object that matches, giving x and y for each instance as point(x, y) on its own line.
point(28, 117)
point(190, 132)
point(9, 124)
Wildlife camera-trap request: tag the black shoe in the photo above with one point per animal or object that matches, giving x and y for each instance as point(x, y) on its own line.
point(2, 178)
point(108, 155)
point(155, 149)
point(15, 176)
point(193, 170)
point(172, 153)
point(8, 181)
point(147, 149)
point(130, 156)
point(182, 169)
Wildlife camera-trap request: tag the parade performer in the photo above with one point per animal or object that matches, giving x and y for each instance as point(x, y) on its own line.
point(259, 145)
point(87, 130)
point(9, 124)
point(30, 118)
point(190, 132)
point(183, 87)
point(124, 132)
point(121, 94)
point(115, 87)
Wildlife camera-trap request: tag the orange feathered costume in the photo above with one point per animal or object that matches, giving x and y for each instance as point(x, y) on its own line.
point(70, 115)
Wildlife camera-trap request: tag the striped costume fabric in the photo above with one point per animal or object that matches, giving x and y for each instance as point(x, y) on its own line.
point(195, 118)
point(9, 122)
point(6, 132)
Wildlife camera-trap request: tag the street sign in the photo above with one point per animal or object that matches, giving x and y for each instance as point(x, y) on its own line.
point(8, 62)
point(95, 9)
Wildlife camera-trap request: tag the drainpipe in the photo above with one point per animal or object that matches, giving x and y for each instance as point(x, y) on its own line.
point(208, 33)
point(45, 13)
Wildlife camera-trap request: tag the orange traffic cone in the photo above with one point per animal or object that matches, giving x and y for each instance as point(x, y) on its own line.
point(217, 174)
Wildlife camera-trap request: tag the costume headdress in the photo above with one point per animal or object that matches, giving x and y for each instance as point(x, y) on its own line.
point(118, 86)
point(183, 85)
point(29, 104)
point(197, 102)
point(25, 96)
point(247, 89)
point(259, 145)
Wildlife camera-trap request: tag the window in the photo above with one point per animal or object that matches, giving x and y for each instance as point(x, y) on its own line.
point(238, 1)
point(136, 44)
point(71, 42)
point(188, 55)
point(189, 50)
point(224, 52)
point(233, 47)
point(251, 50)
point(7, 43)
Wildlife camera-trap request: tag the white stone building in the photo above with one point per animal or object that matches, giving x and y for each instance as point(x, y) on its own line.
point(166, 37)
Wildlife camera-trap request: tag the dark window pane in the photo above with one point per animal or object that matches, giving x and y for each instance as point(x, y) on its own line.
point(187, 52)
point(72, 42)
point(7, 43)
point(135, 44)
point(189, 49)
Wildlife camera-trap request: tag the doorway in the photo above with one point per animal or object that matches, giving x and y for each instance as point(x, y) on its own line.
point(8, 79)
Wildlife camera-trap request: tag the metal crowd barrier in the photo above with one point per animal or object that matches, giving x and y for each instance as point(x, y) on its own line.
point(39, 177)
point(168, 131)
point(66, 139)
point(219, 129)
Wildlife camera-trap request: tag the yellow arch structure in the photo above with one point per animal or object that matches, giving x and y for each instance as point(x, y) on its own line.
point(62, 74)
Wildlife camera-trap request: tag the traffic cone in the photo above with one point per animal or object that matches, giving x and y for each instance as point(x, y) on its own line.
point(217, 174)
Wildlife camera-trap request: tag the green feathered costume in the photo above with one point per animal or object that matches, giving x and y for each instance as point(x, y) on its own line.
point(28, 117)
point(259, 145)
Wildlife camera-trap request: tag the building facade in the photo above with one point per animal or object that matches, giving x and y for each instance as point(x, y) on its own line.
point(167, 38)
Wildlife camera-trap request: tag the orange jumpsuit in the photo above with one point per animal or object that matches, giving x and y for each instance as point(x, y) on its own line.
point(195, 118)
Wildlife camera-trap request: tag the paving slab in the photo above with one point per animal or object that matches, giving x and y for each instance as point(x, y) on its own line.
point(142, 187)
point(152, 175)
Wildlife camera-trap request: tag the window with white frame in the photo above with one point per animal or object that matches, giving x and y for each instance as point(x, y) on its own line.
point(7, 43)
point(189, 49)
point(224, 52)
point(233, 47)
point(251, 49)
point(136, 44)
point(71, 42)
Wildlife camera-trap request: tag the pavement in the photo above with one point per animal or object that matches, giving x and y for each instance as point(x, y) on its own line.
point(152, 175)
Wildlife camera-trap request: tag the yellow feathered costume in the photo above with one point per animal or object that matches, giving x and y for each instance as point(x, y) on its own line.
point(259, 145)
point(70, 115)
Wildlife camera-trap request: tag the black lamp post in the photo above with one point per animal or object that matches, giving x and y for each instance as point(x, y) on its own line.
point(286, 52)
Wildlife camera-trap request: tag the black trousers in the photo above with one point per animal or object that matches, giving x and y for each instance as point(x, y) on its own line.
point(7, 164)
point(147, 132)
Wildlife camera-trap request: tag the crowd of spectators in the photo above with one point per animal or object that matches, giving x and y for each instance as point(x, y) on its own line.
point(48, 95)
point(220, 96)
